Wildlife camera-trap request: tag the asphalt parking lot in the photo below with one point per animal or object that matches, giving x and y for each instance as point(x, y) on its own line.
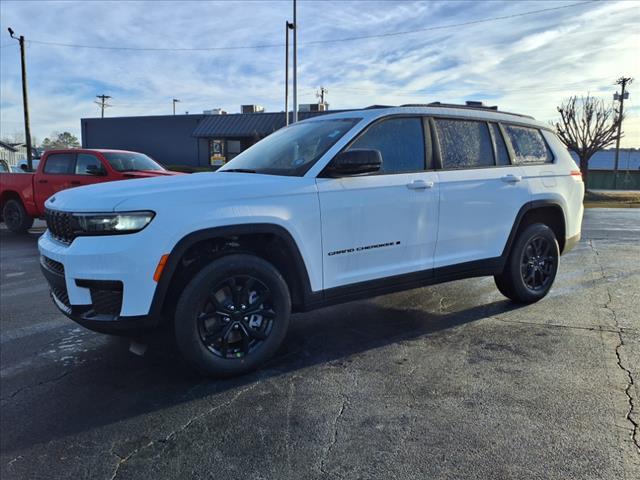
point(451, 381)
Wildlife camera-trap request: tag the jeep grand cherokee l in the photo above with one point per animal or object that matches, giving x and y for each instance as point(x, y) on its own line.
point(326, 210)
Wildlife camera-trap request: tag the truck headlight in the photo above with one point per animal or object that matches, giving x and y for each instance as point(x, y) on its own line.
point(112, 223)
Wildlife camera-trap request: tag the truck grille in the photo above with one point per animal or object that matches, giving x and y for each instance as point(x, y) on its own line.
point(60, 225)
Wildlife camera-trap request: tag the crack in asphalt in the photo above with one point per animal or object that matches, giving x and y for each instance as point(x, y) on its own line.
point(122, 460)
point(28, 387)
point(287, 437)
point(334, 437)
point(346, 402)
point(630, 382)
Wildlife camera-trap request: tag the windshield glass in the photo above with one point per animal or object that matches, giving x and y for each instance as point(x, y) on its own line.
point(291, 150)
point(131, 161)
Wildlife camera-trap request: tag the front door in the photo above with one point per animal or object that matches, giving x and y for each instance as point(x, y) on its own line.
point(382, 224)
point(89, 169)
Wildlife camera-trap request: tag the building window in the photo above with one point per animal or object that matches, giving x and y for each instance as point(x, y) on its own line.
point(233, 148)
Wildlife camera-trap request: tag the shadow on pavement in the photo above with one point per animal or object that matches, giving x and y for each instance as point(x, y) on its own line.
point(112, 386)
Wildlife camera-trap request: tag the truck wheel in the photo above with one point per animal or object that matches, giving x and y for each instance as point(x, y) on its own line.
point(232, 316)
point(15, 216)
point(532, 265)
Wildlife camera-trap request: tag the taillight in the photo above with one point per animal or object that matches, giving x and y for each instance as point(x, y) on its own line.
point(577, 174)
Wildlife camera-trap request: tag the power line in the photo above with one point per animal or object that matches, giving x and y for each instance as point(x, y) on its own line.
point(313, 42)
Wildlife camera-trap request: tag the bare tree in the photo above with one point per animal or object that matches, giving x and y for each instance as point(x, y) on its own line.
point(587, 125)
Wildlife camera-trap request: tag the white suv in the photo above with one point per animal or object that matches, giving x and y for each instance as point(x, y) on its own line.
point(327, 210)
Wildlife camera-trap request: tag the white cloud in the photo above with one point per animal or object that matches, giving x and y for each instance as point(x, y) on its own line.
point(525, 64)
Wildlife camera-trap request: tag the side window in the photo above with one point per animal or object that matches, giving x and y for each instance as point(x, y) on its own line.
point(528, 145)
point(400, 141)
point(88, 164)
point(501, 148)
point(464, 144)
point(60, 164)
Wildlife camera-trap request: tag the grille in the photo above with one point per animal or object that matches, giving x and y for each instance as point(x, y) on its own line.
point(106, 302)
point(60, 225)
point(52, 265)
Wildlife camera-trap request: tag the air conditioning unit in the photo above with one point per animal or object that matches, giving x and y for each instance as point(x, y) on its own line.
point(313, 107)
point(215, 111)
point(251, 108)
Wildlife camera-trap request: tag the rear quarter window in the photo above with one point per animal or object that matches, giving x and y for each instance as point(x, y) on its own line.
point(529, 147)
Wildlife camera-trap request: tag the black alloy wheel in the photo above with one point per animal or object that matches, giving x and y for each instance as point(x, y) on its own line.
point(232, 315)
point(531, 266)
point(537, 264)
point(237, 317)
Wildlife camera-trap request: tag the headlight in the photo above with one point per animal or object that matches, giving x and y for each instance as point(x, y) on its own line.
point(111, 223)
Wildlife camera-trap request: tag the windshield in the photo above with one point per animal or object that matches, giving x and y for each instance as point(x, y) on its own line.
point(131, 161)
point(291, 150)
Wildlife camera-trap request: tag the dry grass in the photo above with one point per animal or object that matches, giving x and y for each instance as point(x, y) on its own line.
point(610, 199)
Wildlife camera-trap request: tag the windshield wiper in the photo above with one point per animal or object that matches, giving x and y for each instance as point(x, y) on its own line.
point(239, 170)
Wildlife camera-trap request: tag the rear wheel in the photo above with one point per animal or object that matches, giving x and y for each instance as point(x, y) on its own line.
point(16, 217)
point(532, 265)
point(232, 316)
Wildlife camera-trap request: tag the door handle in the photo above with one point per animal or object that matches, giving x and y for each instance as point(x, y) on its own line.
point(512, 178)
point(75, 182)
point(42, 181)
point(419, 185)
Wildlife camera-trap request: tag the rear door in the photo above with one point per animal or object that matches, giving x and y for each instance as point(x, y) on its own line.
point(481, 191)
point(385, 223)
point(57, 174)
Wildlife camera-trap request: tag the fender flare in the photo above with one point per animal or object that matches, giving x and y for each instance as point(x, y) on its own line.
point(192, 238)
point(527, 207)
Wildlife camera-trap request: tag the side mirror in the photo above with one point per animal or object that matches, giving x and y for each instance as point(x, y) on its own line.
point(95, 170)
point(355, 162)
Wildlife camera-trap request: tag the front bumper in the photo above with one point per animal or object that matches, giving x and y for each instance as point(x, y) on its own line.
point(103, 314)
point(103, 283)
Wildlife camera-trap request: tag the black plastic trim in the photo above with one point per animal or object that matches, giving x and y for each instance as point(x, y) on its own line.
point(397, 283)
point(527, 207)
point(210, 233)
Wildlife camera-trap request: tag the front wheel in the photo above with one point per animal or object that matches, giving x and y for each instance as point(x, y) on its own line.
point(16, 217)
point(232, 316)
point(532, 265)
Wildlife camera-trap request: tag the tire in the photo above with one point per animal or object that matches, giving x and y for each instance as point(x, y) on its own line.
point(16, 217)
point(532, 265)
point(222, 333)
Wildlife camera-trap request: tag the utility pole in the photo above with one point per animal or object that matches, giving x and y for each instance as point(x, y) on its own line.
point(288, 26)
point(102, 103)
point(25, 99)
point(623, 81)
point(175, 100)
point(321, 94)
point(295, 63)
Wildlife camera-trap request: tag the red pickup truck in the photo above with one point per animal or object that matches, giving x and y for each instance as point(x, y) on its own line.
point(22, 195)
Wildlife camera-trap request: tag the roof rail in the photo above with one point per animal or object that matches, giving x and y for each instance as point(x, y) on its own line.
point(371, 107)
point(470, 105)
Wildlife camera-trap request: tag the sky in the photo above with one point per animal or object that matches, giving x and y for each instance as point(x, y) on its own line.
point(526, 64)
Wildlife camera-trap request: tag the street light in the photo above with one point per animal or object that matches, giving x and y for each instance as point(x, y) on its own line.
point(175, 100)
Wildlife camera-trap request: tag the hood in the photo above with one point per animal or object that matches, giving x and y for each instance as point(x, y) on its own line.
point(152, 193)
point(149, 173)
